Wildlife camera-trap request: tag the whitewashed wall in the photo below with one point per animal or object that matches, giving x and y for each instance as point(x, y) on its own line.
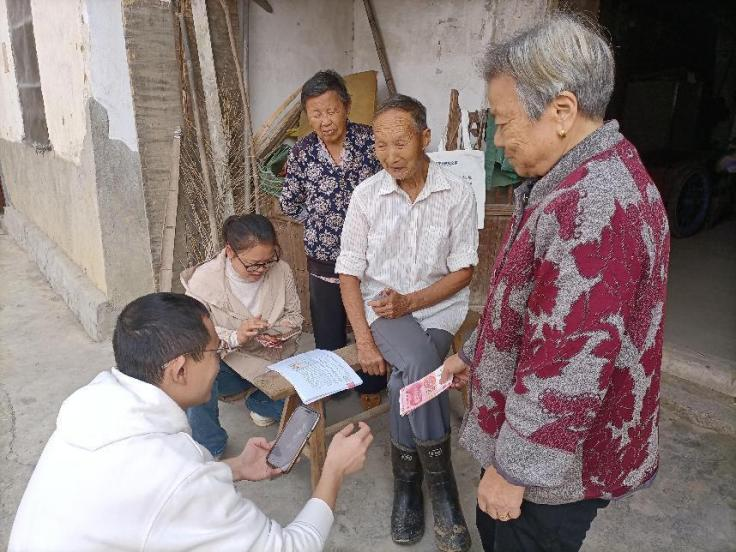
point(11, 121)
point(291, 44)
point(432, 47)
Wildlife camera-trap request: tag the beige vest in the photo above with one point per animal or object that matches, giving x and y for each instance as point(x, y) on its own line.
point(277, 302)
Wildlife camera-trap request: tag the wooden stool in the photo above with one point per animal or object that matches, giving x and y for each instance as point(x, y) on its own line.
point(277, 387)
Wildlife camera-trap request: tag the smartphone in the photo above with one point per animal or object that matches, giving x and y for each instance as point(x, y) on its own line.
point(291, 440)
point(283, 335)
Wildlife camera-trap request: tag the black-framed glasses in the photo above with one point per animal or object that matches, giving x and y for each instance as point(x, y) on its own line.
point(221, 350)
point(252, 268)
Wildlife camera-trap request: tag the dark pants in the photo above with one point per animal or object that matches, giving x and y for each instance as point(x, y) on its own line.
point(205, 418)
point(329, 321)
point(540, 528)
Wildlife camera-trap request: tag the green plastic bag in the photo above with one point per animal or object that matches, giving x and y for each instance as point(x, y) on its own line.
point(499, 172)
point(269, 171)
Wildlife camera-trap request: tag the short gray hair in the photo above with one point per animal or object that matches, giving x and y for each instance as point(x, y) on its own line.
point(564, 52)
point(324, 81)
point(410, 105)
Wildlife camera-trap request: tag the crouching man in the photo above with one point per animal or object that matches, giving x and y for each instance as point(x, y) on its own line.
point(122, 472)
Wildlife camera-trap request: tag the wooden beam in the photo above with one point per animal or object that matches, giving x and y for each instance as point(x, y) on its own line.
point(207, 184)
point(453, 121)
point(361, 417)
point(169, 229)
point(250, 169)
point(212, 105)
point(380, 47)
point(244, 36)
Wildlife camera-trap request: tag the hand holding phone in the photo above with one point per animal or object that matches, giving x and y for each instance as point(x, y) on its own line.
point(250, 328)
point(250, 465)
point(279, 332)
point(290, 442)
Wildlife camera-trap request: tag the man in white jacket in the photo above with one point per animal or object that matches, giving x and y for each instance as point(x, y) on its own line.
point(122, 472)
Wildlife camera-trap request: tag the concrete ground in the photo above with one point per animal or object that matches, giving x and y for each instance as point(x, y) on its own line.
point(45, 355)
point(701, 303)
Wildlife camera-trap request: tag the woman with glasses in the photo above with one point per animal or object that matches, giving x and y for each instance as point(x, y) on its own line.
point(253, 302)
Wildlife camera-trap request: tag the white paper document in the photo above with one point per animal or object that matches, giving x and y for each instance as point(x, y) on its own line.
point(317, 374)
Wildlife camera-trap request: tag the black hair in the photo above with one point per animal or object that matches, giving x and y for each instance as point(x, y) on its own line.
point(155, 329)
point(407, 104)
point(244, 231)
point(324, 81)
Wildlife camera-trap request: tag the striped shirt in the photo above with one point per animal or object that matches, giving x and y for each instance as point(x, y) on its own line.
point(388, 241)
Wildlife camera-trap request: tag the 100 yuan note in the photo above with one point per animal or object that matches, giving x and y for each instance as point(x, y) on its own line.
point(421, 391)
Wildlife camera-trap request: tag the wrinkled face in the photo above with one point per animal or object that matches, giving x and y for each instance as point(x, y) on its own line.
point(532, 147)
point(253, 263)
point(399, 145)
point(328, 117)
point(201, 374)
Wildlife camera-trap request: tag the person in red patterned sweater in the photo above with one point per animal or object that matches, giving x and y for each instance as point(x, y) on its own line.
point(564, 366)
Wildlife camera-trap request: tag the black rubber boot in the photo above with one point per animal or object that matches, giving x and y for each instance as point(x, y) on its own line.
point(407, 515)
point(450, 530)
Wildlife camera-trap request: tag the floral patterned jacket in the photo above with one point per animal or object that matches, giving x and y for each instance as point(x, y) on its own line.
point(565, 362)
point(317, 191)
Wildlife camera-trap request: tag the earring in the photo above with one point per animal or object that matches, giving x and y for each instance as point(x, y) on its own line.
point(562, 133)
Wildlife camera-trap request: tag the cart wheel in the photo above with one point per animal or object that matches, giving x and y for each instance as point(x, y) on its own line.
point(690, 195)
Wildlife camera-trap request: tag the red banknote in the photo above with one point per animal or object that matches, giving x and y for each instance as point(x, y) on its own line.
point(421, 391)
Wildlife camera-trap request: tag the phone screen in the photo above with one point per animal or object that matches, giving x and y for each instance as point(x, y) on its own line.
point(291, 440)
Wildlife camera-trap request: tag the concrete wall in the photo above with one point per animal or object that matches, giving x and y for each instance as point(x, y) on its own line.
point(11, 121)
point(64, 66)
point(288, 46)
point(150, 41)
point(432, 46)
point(79, 207)
point(55, 190)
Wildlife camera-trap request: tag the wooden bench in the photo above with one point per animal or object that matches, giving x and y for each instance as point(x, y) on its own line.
point(277, 387)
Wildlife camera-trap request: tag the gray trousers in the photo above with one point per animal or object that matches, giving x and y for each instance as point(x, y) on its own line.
point(413, 353)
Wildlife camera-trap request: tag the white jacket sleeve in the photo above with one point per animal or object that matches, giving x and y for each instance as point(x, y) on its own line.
point(206, 512)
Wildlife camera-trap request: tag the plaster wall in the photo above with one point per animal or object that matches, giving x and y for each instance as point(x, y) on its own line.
point(85, 194)
point(62, 45)
point(110, 82)
point(11, 122)
point(432, 47)
point(291, 44)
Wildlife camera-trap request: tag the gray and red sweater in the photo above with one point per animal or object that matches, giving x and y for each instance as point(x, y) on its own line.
point(565, 362)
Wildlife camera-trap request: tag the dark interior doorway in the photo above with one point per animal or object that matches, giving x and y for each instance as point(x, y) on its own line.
point(675, 98)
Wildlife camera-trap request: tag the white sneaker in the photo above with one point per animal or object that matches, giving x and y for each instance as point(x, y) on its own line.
point(261, 421)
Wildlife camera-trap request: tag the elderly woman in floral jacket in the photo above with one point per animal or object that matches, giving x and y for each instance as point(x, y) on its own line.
point(323, 169)
point(564, 366)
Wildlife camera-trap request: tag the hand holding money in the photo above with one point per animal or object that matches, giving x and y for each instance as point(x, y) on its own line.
point(455, 371)
point(421, 391)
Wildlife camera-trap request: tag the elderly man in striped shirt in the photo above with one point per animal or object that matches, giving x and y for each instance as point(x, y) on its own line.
point(408, 248)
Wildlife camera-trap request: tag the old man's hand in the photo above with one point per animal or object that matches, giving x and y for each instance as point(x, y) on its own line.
point(498, 498)
point(370, 358)
point(391, 304)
